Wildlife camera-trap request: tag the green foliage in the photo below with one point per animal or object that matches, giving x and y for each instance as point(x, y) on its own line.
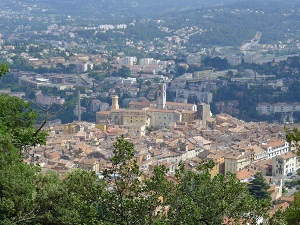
point(16, 186)
point(125, 196)
point(293, 137)
point(3, 69)
point(292, 214)
point(216, 63)
point(124, 72)
point(192, 197)
point(130, 201)
point(21, 63)
point(198, 199)
point(69, 201)
point(258, 187)
point(278, 218)
point(17, 120)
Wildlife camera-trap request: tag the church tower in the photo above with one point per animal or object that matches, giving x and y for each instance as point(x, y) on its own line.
point(161, 96)
point(115, 102)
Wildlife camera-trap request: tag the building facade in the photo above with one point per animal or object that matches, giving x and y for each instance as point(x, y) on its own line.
point(276, 147)
point(284, 164)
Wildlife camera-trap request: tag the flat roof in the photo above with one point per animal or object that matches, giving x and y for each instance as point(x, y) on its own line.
point(41, 79)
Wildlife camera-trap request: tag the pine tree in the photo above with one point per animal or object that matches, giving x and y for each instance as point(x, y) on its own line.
point(258, 187)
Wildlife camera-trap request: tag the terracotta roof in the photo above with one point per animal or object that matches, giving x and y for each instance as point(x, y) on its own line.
point(288, 199)
point(235, 156)
point(274, 144)
point(287, 155)
point(281, 206)
point(178, 104)
point(161, 110)
point(188, 112)
point(104, 112)
point(246, 174)
point(140, 103)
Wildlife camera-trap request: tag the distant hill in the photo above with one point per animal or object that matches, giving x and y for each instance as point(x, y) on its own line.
point(222, 22)
point(231, 24)
point(116, 8)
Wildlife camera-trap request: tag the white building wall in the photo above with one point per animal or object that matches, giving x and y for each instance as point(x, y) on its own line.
point(273, 152)
point(281, 167)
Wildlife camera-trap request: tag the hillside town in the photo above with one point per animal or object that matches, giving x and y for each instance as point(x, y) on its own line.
point(184, 89)
point(168, 133)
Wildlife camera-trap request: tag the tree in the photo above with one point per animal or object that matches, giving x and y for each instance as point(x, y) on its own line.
point(192, 99)
point(16, 184)
point(26, 195)
point(72, 200)
point(17, 130)
point(293, 137)
point(130, 201)
point(3, 69)
point(124, 72)
point(292, 213)
point(125, 195)
point(258, 187)
point(200, 199)
point(17, 120)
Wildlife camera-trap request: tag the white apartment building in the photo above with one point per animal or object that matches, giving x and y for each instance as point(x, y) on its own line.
point(284, 164)
point(276, 147)
point(127, 60)
point(146, 61)
point(266, 108)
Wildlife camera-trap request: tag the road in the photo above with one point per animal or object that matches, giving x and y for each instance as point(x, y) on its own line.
point(294, 177)
point(247, 44)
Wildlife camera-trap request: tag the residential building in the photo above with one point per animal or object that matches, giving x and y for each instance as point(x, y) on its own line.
point(49, 100)
point(267, 108)
point(256, 153)
point(136, 130)
point(127, 60)
point(236, 161)
point(284, 164)
point(276, 147)
point(218, 158)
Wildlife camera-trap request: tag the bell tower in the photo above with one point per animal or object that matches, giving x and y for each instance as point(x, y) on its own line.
point(161, 96)
point(115, 102)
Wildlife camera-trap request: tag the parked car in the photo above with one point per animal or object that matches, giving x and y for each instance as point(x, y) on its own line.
point(289, 174)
